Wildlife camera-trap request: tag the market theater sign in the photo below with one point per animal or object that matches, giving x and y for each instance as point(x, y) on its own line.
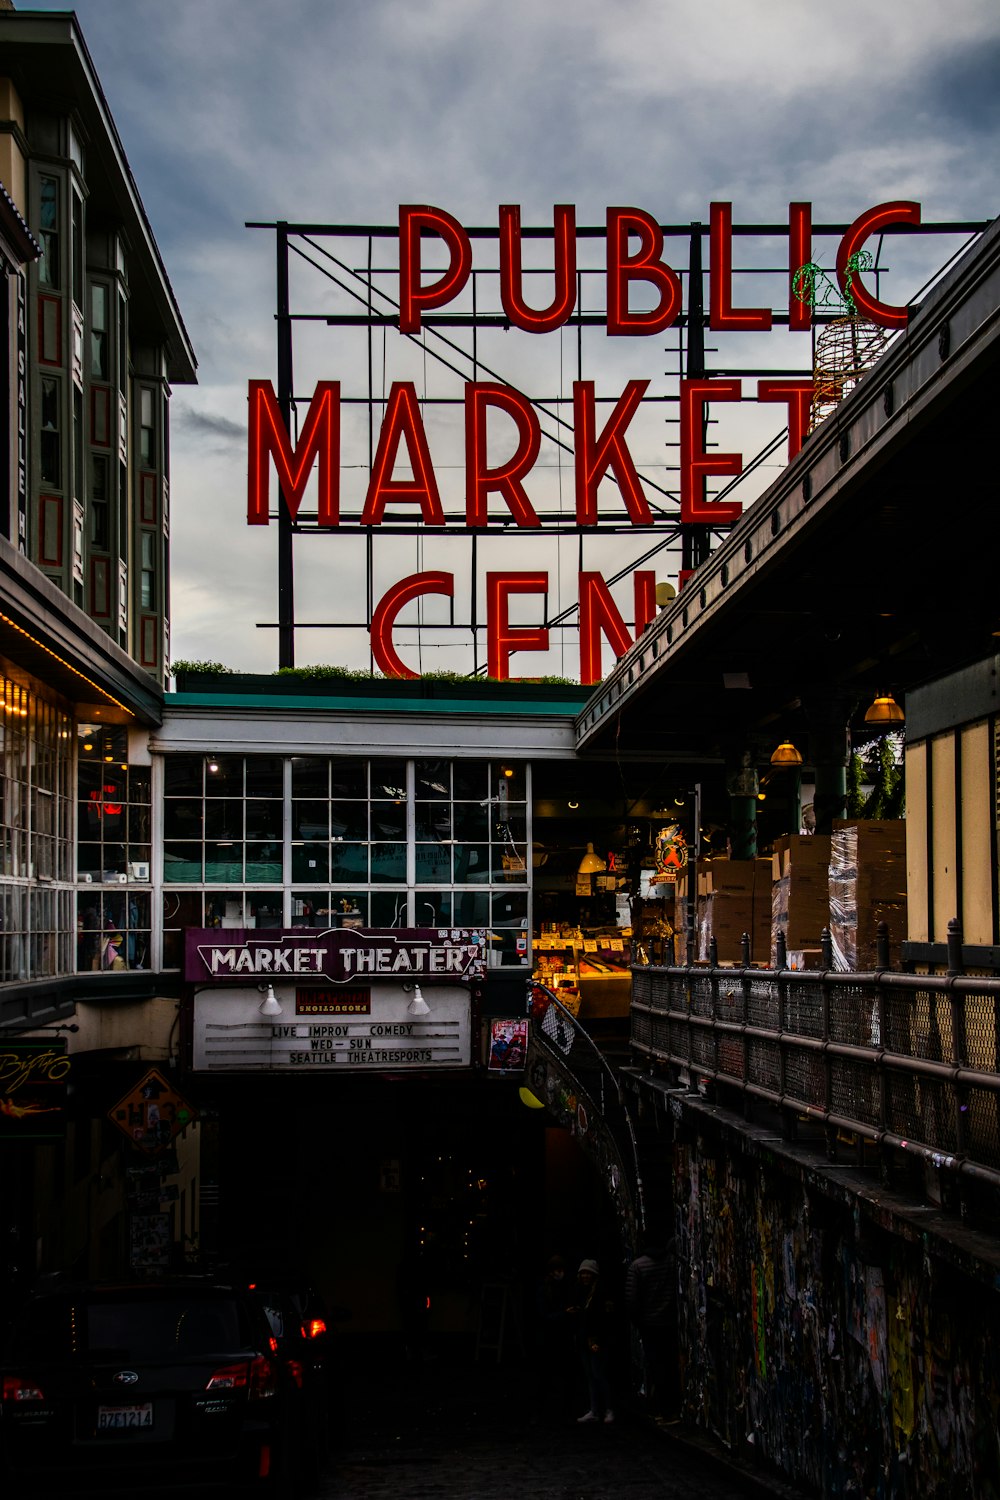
point(634, 258)
point(338, 956)
point(344, 995)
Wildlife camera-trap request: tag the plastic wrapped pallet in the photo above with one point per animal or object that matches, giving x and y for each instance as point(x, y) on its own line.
point(867, 880)
point(800, 897)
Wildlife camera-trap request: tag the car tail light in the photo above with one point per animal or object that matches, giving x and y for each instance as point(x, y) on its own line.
point(21, 1388)
point(295, 1371)
point(257, 1374)
point(230, 1377)
point(263, 1378)
point(316, 1327)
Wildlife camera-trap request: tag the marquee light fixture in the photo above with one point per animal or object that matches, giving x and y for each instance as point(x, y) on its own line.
point(270, 1005)
point(884, 710)
point(786, 754)
point(418, 1005)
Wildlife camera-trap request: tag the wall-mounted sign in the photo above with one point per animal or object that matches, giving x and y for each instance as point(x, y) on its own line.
point(231, 1036)
point(502, 442)
point(33, 1080)
point(152, 1114)
point(339, 956)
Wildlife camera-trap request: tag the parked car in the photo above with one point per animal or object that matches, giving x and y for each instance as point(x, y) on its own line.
point(302, 1327)
point(146, 1384)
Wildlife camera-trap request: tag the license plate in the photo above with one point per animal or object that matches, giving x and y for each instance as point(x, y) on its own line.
point(113, 1417)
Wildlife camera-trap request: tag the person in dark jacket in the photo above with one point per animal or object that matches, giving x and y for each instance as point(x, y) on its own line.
point(593, 1314)
point(651, 1303)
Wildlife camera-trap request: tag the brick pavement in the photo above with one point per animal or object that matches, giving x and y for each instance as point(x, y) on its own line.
point(451, 1429)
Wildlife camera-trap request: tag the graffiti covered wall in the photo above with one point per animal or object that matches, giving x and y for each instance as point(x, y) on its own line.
point(851, 1359)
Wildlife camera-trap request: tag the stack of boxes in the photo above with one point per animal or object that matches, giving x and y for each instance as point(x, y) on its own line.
point(800, 897)
point(867, 886)
point(734, 897)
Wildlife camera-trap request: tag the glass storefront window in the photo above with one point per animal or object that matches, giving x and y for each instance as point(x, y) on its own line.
point(360, 832)
point(36, 814)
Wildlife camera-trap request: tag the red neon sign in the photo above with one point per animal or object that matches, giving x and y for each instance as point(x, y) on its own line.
point(635, 266)
point(883, 313)
point(319, 442)
point(696, 464)
point(502, 638)
point(413, 296)
point(389, 607)
point(402, 423)
point(645, 264)
point(514, 305)
point(480, 480)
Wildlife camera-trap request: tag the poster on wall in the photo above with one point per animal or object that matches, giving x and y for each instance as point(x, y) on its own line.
point(149, 1235)
point(508, 1046)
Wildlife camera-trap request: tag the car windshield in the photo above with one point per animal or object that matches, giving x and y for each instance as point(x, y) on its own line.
point(130, 1327)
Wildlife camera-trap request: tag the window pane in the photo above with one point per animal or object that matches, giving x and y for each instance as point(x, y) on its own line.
point(183, 774)
point(264, 908)
point(224, 861)
point(388, 909)
point(471, 821)
point(348, 778)
point(348, 862)
point(310, 776)
point(472, 908)
point(223, 775)
point(181, 862)
point(433, 863)
point(310, 861)
point(388, 778)
point(471, 779)
point(388, 820)
point(388, 862)
point(349, 820)
point(433, 909)
point(433, 820)
point(182, 818)
point(310, 820)
point(263, 862)
point(223, 817)
point(472, 864)
point(264, 776)
point(263, 819)
point(433, 778)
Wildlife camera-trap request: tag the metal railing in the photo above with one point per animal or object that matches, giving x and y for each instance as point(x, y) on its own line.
point(909, 1061)
point(559, 1034)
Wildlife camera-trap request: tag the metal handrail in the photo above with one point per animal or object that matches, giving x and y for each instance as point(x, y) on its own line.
point(909, 1061)
point(605, 1075)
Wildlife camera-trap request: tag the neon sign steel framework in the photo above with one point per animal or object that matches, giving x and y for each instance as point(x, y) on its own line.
point(648, 481)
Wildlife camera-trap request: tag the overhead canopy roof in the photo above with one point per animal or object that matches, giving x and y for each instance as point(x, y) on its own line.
point(870, 564)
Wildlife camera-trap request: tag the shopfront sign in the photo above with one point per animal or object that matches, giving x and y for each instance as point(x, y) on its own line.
point(338, 956)
point(34, 1077)
point(231, 1035)
point(503, 428)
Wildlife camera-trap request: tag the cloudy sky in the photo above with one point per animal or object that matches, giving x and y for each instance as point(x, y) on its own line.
point(337, 111)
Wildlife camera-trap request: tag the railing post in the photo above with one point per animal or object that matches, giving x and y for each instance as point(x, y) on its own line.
point(745, 950)
point(882, 959)
point(826, 949)
point(713, 951)
point(959, 1038)
point(780, 951)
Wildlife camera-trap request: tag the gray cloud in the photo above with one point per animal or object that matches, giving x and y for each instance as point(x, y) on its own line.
point(338, 112)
